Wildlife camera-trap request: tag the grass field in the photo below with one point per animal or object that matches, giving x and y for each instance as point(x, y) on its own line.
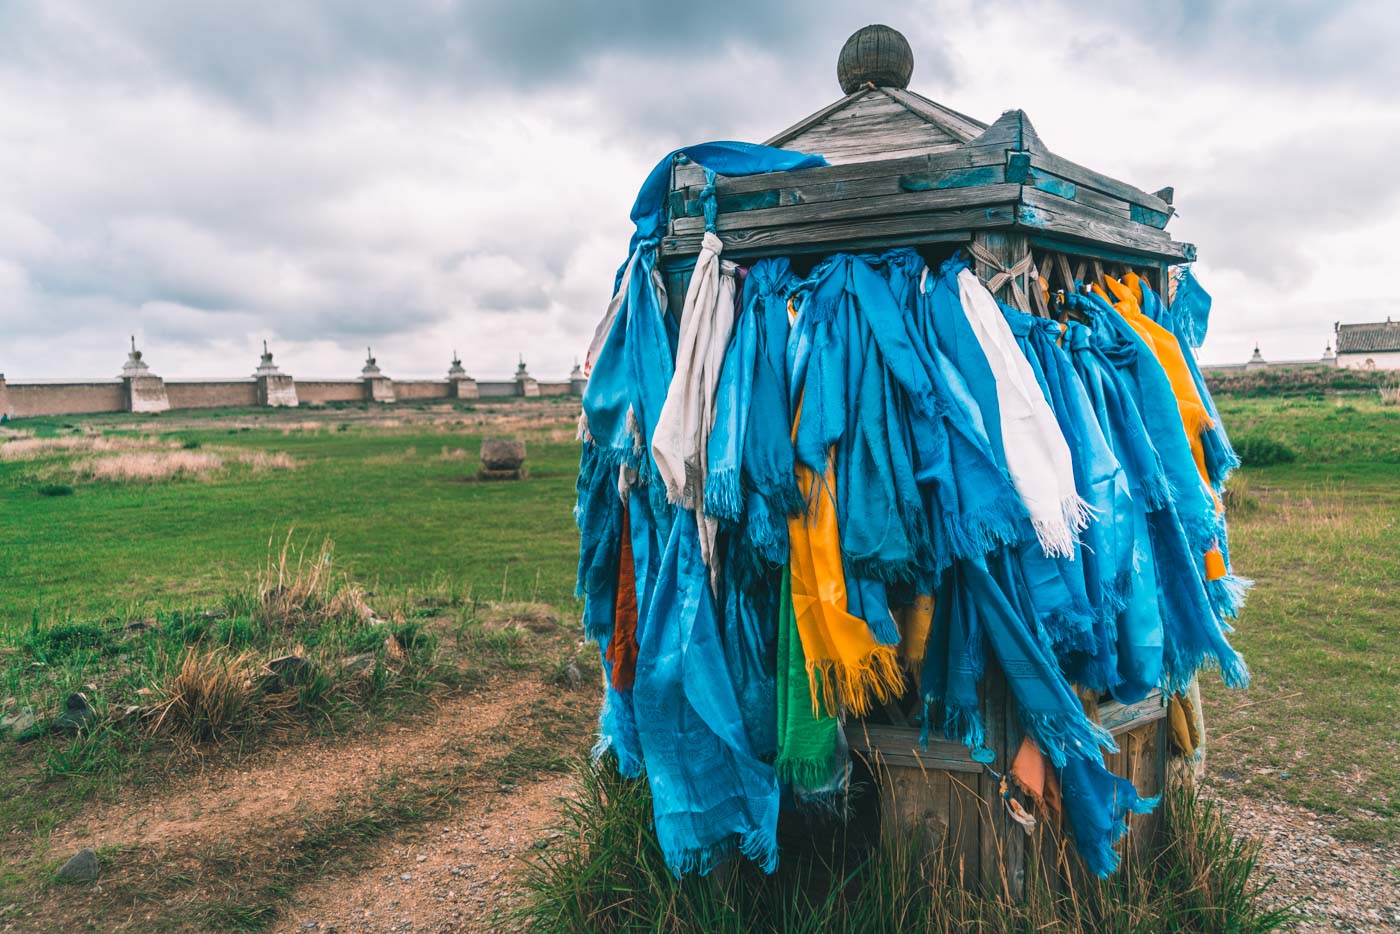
point(398, 496)
point(1320, 536)
point(108, 584)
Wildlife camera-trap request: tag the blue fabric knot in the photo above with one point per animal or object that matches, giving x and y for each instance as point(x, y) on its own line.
point(707, 200)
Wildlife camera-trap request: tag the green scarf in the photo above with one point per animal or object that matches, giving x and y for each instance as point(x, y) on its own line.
point(809, 740)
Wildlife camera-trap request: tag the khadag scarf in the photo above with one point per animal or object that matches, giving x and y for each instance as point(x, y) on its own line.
point(1093, 574)
point(1193, 632)
point(749, 485)
point(631, 366)
point(711, 795)
point(1056, 584)
point(1127, 657)
point(860, 362)
point(1036, 453)
point(809, 734)
point(1227, 591)
point(680, 443)
point(845, 664)
point(1152, 389)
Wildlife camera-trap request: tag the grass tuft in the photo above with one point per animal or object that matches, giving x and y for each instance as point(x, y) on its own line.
point(209, 697)
point(1262, 451)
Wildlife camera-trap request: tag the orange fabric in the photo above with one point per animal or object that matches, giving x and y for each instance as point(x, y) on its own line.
point(844, 662)
point(914, 622)
point(622, 647)
point(1033, 776)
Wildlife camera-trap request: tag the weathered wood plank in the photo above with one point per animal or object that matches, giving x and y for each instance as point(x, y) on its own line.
point(1096, 180)
point(900, 746)
point(1076, 249)
point(1117, 718)
point(837, 191)
point(959, 124)
point(868, 233)
point(1045, 213)
point(880, 207)
point(688, 175)
point(813, 119)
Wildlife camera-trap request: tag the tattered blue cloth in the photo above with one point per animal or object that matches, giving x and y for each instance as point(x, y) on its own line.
point(711, 794)
point(1130, 664)
point(750, 486)
point(626, 390)
point(1183, 529)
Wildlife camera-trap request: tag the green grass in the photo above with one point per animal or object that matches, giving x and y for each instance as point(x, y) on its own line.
point(607, 873)
point(401, 516)
point(1320, 536)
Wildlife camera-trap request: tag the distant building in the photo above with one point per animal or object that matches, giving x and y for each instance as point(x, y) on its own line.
point(1369, 346)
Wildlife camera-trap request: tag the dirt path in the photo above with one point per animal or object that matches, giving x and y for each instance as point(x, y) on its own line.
point(453, 875)
point(244, 807)
point(326, 821)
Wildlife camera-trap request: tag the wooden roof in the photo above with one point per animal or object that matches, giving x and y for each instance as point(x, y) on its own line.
point(879, 123)
point(905, 170)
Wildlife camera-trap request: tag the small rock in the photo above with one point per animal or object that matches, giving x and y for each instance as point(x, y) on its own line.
point(77, 714)
point(283, 672)
point(406, 876)
point(19, 722)
point(82, 866)
point(422, 859)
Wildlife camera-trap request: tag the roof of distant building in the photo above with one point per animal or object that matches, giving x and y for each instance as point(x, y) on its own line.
point(1379, 336)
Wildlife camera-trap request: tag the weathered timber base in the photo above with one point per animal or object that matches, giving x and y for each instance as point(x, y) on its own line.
point(939, 798)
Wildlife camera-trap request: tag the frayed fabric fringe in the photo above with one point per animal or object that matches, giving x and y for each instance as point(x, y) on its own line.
point(1179, 670)
point(960, 724)
point(1058, 537)
point(874, 679)
point(1227, 594)
point(1099, 855)
point(973, 535)
point(757, 845)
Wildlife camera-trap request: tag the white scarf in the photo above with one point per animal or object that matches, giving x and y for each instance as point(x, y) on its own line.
point(1036, 453)
point(680, 444)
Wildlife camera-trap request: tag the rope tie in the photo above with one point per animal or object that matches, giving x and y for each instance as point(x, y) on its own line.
point(707, 201)
point(1007, 275)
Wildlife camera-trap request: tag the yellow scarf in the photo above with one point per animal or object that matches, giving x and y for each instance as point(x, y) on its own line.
point(843, 659)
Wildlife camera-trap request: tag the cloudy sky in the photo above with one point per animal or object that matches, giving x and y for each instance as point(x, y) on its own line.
point(426, 175)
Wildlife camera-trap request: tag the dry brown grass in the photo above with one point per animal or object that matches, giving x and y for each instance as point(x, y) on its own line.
point(26, 448)
point(153, 466)
point(453, 454)
point(210, 696)
point(1390, 394)
point(536, 617)
point(299, 587)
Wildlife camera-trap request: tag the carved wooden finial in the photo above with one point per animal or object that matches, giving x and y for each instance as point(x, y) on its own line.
point(876, 55)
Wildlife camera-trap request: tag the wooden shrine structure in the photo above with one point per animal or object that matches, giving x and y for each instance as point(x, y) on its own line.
point(906, 171)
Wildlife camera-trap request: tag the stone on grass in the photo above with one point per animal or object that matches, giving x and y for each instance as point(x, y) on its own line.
point(19, 722)
point(284, 672)
point(77, 714)
point(82, 866)
point(502, 458)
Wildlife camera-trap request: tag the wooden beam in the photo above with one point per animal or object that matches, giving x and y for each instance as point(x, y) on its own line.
point(879, 207)
point(871, 233)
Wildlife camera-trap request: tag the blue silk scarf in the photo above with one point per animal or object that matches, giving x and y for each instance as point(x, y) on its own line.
point(1128, 659)
point(711, 794)
point(1193, 630)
